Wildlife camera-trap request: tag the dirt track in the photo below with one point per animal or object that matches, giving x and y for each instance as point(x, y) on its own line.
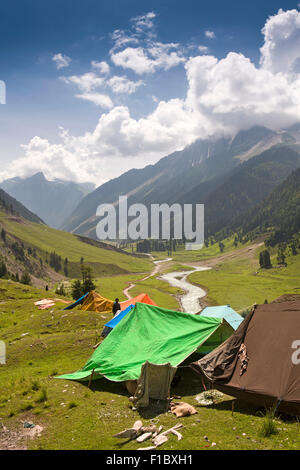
point(154, 271)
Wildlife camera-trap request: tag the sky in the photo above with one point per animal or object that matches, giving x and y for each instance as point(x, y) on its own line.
point(95, 88)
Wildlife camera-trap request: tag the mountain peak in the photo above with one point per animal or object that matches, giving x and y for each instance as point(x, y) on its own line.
point(39, 176)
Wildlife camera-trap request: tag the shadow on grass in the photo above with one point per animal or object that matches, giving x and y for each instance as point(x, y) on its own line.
point(236, 406)
point(107, 386)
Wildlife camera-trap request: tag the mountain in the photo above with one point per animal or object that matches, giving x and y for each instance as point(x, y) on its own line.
point(50, 255)
point(53, 201)
point(278, 213)
point(11, 206)
point(246, 186)
point(201, 167)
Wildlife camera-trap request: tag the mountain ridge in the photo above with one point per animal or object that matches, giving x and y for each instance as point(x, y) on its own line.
point(51, 200)
point(203, 164)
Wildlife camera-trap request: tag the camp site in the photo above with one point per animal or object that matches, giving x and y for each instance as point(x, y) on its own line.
point(153, 375)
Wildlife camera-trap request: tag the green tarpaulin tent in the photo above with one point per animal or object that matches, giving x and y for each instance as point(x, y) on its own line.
point(154, 334)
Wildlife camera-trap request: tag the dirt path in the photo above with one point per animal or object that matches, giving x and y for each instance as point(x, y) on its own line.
point(17, 439)
point(154, 271)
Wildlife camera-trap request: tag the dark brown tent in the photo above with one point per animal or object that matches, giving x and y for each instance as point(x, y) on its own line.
point(260, 362)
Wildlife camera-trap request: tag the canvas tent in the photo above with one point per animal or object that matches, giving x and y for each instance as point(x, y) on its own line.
point(118, 317)
point(77, 302)
point(127, 306)
point(153, 334)
point(96, 303)
point(143, 298)
point(261, 361)
point(223, 311)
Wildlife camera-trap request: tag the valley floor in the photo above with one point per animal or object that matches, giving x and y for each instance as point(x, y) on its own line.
point(42, 344)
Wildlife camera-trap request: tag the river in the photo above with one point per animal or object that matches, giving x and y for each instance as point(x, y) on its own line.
point(190, 300)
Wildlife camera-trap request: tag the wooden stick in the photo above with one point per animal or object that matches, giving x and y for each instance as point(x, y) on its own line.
point(91, 378)
point(168, 431)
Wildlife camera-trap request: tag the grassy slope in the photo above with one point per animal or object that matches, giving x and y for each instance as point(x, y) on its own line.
point(67, 245)
point(159, 291)
point(240, 282)
point(185, 256)
point(75, 417)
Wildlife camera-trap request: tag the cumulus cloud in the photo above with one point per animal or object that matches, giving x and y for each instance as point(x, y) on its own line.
point(139, 50)
point(280, 52)
point(61, 60)
point(210, 34)
point(102, 67)
point(223, 96)
point(232, 93)
point(91, 86)
point(123, 85)
point(86, 82)
point(203, 49)
point(141, 60)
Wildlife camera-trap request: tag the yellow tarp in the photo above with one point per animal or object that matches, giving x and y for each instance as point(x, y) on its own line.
point(96, 303)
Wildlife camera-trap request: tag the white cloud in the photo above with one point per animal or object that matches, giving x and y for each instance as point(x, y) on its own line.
point(203, 49)
point(86, 82)
point(104, 101)
point(223, 96)
point(233, 93)
point(280, 52)
point(134, 59)
point(210, 34)
point(61, 60)
point(121, 39)
point(102, 67)
point(144, 23)
point(123, 85)
point(90, 83)
point(148, 60)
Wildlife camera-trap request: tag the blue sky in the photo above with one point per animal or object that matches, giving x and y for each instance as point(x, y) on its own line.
point(41, 97)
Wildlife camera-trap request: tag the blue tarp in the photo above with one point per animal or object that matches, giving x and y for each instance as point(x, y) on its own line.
point(79, 301)
point(224, 311)
point(117, 318)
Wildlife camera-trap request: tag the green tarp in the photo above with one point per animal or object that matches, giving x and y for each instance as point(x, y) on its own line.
point(154, 334)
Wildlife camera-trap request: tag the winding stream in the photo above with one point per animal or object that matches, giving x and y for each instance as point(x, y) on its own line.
point(190, 300)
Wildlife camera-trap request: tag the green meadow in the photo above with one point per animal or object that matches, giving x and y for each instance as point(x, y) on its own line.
point(42, 344)
point(241, 282)
point(67, 245)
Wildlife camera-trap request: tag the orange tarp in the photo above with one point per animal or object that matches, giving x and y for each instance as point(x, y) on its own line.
point(143, 298)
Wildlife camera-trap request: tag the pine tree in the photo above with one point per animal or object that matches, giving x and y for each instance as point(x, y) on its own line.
point(25, 278)
point(76, 290)
point(87, 281)
point(3, 235)
point(3, 269)
point(264, 259)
